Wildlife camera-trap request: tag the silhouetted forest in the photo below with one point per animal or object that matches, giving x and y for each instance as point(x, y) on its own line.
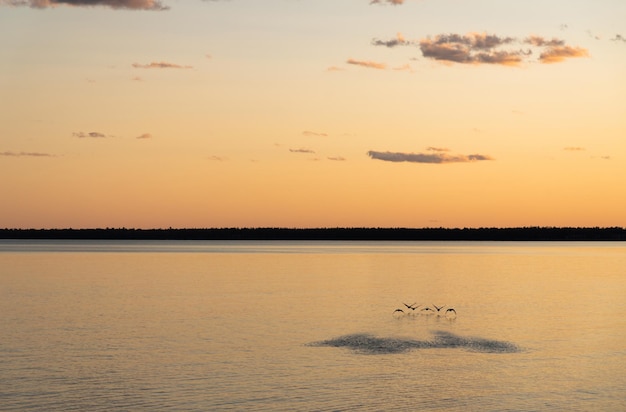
point(500, 234)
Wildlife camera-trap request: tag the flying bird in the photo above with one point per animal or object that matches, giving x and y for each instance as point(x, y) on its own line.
point(450, 310)
point(439, 307)
point(412, 306)
point(398, 310)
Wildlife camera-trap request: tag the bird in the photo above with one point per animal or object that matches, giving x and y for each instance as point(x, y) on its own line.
point(427, 309)
point(412, 306)
point(450, 310)
point(398, 310)
point(438, 307)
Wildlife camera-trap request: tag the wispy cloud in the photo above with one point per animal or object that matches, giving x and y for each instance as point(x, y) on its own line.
point(337, 158)
point(437, 157)
point(557, 54)
point(392, 2)
point(218, 158)
point(541, 42)
point(483, 48)
point(574, 149)
point(144, 136)
point(403, 68)
point(314, 134)
point(398, 41)
point(95, 135)
point(368, 64)
point(619, 37)
point(301, 150)
point(114, 4)
point(160, 65)
point(26, 154)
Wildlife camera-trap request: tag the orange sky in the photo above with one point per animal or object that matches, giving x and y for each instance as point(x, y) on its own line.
point(242, 113)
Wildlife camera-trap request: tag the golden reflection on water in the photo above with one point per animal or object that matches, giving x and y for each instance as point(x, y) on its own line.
point(224, 329)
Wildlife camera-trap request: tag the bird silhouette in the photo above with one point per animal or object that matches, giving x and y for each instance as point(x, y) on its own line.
point(450, 310)
point(439, 307)
point(398, 310)
point(412, 306)
point(427, 309)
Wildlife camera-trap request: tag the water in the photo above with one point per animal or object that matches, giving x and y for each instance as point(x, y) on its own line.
point(310, 326)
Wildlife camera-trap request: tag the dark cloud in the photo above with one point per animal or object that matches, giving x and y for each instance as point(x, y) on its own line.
point(368, 64)
point(160, 65)
point(483, 48)
point(301, 150)
point(26, 154)
point(114, 4)
point(437, 157)
point(83, 135)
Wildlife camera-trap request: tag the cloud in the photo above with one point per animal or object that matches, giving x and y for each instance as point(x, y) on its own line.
point(114, 4)
point(334, 69)
point(160, 65)
point(398, 41)
point(144, 136)
point(392, 2)
point(336, 158)
point(574, 149)
point(301, 150)
point(370, 65)
point(483, 48)
point(438, 149)
point(218, 158)
point(619, 37)
point(437, 157)
point(83, 135)
point(26, 154)
point(314, 134)
point(540, 41)
point(403, 68)
point(557, 54)
point(473, 48)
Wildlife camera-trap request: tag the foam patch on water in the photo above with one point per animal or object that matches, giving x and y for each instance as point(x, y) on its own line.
point(370, 344)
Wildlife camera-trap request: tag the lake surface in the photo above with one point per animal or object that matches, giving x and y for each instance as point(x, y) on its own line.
point(310, 326)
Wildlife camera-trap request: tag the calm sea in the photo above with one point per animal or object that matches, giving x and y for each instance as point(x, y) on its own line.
point(312, 326)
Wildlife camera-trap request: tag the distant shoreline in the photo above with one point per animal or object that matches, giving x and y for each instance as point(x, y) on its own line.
point(352, 234)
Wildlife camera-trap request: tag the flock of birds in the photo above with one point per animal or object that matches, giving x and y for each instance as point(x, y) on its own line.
point(410, 309)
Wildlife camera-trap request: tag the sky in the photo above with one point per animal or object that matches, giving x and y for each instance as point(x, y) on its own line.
point(312, 113)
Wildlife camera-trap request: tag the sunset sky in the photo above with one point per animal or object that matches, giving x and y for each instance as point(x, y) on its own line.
point(312, 113)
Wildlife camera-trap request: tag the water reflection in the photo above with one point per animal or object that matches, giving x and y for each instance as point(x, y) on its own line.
point(374, 345)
